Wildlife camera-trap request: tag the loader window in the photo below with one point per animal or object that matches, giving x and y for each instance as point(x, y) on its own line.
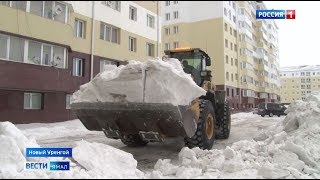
point(191, 62)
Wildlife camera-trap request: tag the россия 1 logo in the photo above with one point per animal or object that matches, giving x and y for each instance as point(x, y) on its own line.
point(275, 14)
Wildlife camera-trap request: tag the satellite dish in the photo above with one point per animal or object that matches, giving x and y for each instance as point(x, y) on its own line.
point(58, 9)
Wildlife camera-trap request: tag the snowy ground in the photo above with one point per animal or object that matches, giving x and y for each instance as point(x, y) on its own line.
point(258, 147)
point(244, 127)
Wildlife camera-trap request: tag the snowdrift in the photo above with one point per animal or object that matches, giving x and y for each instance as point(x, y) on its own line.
point(165, 82)
point(290, 149)
point(91, 160)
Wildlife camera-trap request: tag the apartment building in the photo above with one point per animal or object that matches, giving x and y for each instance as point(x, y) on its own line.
point(299, 81)
point(49, 48)
point(244, 51)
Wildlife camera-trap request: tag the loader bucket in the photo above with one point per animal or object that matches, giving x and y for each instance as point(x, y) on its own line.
point(117, 119)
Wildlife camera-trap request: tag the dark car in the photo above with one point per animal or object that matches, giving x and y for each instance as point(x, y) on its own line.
point(271, 109)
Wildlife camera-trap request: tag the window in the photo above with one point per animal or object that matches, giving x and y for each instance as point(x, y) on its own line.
point(19, 5)
point(116, 5)
point(175, 29)
point(109, 33)
point(232, 81)
point(77, 67)
point(227, 89)
point(58, 57)
point(226, 43)
point(236, 62)
point(133, 13)
point(231, 31)
point(32, 101)
point(16, 49)
point(314, 73)
point(68, 97)
point(302, 74)
point(104, 62)
point(79, 28)
point(235, 47)
point(45, 9)
point(292, 80)
point(132, 44)
point(167, 31)
point(36, 7)
point(167, 3)
point(227, 76)
point(61, 17)
point(5, 3)
point(167, 16)
point(175, 45)
point(34, 52)
point(234, 19)
point(4, 47)
point(231, 61)
point(150, 21)
point(235, 33)
point(175, 2)
point(225, 27)
point(167, 46)
point(175, 15)
point(150, 49)
point(308, 74)
point(225, 12)
point(227, 59)
point(46, 56)
point(231, 45)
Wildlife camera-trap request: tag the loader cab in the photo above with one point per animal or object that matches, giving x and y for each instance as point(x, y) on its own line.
point(194, 61)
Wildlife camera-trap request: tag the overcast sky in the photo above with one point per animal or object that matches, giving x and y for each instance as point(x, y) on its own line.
point(299, 39)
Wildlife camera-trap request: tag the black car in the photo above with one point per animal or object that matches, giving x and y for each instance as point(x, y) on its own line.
point(271, 109)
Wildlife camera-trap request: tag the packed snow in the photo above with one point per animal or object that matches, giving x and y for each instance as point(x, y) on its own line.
point(90, 160)
point(268, 148)
point(165, 82)
point(289, 149)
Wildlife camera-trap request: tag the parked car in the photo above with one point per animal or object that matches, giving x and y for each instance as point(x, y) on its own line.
point(271, 109)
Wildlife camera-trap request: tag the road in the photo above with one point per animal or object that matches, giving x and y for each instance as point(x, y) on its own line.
point(244, 127)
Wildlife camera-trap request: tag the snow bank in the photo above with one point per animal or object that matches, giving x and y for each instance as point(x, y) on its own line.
point(165, 82)
point(289, 149)
point(103, 161)
point(41, 131)
point(91, 160)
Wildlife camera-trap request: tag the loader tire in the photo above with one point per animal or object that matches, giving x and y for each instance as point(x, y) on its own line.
point(223, 123)
point(205, 133)
point(133, 140)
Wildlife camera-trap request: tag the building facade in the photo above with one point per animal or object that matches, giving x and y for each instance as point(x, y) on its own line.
point(299, 81)
point(49, 48)
point(243, 50)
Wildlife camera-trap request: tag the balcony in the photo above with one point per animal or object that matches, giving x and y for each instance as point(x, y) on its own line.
point(246, 32)
point(261, 55)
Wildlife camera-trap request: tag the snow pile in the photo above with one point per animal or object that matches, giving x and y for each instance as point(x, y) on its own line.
point(303, 114)
point(92, 160)
point(165, 82)
point(289, 149)
point(42, 131)
point(103, 161)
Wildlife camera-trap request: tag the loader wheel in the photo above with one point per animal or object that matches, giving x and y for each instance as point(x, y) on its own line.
point(205, 134)
point(223, 125)
point(133, 140)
